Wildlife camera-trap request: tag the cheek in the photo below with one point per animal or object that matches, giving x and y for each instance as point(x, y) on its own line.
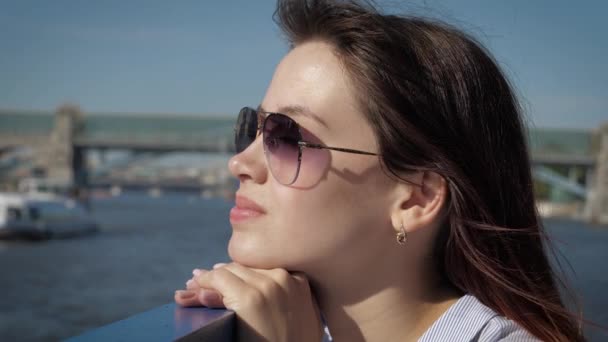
point(309, 227)
point(304, 227)
point(337, 217)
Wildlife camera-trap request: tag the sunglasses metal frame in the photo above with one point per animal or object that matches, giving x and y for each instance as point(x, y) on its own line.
point(301, 143)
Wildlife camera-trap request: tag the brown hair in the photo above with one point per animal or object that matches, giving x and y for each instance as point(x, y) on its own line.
point(438, 102)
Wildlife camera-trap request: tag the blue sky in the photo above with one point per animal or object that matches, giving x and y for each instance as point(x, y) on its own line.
point(213, 57)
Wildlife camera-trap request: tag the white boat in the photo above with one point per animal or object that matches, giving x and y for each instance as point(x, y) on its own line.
point(42, 216)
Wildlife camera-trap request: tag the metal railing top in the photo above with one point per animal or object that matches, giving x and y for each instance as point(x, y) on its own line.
point(168, 322)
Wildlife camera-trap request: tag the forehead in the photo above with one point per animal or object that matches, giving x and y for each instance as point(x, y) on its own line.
point(312, 77)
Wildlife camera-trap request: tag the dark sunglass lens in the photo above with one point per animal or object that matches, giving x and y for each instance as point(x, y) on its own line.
point(281, 137)
point(246, 128)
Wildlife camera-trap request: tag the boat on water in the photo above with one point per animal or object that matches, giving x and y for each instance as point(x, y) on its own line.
point(42, 216)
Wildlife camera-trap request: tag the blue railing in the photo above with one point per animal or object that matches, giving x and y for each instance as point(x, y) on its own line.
point(169, 322)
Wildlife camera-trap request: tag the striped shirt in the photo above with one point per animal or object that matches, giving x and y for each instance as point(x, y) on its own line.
point(469, 320)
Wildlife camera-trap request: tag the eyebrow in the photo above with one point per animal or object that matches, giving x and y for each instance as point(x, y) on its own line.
point(297, 110)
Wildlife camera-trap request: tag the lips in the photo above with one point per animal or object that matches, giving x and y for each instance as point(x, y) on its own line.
point(243, 202)
point(245, 209)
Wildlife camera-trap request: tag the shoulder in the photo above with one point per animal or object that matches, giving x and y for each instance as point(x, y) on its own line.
point(503, 329)
point(470, 320)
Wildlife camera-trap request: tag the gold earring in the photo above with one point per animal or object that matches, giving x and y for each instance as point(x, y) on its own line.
point(402, 236)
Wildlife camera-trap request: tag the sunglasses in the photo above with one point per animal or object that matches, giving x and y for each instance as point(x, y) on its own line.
point(282, 139)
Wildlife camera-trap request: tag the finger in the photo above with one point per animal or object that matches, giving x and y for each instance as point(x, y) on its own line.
point(302, 280)
point(198, 271)
point(279, 275)
point(249, 275)
point(268, 282)
point(186, 298)
point(191, 284)
point(229, 286)
point(199, 297)
point(210, 298)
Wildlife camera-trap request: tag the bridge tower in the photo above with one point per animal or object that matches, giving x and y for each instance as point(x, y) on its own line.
point(60, 151)
point(598, 201)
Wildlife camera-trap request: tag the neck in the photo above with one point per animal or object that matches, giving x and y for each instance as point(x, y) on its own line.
point(381, 305)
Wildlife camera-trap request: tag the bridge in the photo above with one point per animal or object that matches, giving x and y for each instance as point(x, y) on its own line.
point(58, 144)
point(568, 165)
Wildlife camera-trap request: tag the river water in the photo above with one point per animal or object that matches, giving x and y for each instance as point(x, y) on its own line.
point(147, 248)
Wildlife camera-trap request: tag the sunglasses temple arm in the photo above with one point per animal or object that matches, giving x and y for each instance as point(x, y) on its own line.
point(348, 150)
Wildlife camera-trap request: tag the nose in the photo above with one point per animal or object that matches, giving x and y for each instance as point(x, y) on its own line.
point(250, 163)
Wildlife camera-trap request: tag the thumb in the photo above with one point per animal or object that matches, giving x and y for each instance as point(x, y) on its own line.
point(302, 280)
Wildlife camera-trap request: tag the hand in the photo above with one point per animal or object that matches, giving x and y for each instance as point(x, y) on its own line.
point(271, 305)
point(194, 295)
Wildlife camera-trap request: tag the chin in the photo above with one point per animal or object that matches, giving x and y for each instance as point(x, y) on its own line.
point(251, 254)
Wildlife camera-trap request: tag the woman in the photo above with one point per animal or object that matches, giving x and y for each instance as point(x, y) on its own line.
point(385, 186)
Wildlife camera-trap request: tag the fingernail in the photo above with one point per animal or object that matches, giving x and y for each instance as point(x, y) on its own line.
point(196, 272)
point(185, 294)
point(218, 265)
point(189, 282)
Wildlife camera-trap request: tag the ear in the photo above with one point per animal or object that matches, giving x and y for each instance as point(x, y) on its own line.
point(420, 204)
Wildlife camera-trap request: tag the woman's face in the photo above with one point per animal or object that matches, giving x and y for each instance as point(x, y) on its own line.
point(337, 211)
